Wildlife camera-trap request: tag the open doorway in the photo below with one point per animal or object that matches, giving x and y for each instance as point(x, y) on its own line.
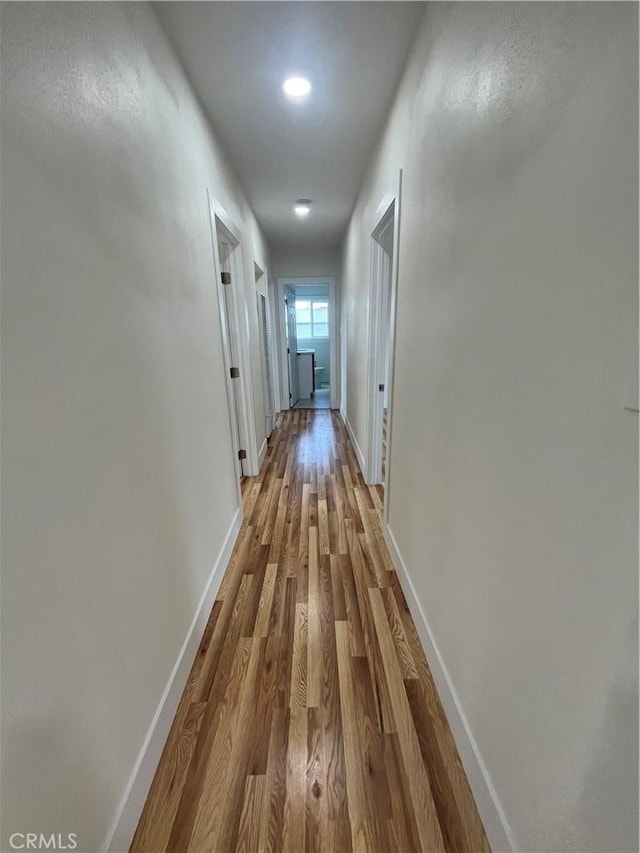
point(384, 249)
point(310, 342)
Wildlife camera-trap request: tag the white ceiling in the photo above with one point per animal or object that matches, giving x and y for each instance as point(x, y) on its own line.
point(237, 55)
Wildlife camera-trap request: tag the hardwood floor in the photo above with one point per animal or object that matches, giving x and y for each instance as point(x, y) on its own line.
point(385, 417)
point(310, 720)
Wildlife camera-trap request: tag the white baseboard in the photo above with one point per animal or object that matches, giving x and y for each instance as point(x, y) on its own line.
point(262, 453)
point(124, 825)
point(354, 441)
point(489, 806)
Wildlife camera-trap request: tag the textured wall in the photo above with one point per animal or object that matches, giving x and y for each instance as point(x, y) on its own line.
point(513, 463)
point(118, 484)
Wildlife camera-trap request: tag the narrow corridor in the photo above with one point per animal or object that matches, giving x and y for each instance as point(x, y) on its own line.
point(310, 720)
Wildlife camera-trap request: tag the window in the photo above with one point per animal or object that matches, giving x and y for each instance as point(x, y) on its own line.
point(312, 318)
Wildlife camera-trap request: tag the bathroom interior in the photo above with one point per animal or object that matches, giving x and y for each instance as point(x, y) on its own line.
point(313, 341)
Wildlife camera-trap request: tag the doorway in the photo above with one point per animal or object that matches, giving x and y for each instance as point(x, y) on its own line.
point(310, 342)
point(233, 323)
point(384, 266)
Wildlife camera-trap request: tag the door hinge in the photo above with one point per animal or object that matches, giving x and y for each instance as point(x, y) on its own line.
point(290, 396)
point(288, 350)
point(235, 372)
point(242, 454)
point(380, 387)
point(226, 278)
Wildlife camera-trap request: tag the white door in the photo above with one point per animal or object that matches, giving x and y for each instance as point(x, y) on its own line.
point(381, 338)
point(384, 360)
point(224, 254)
point(292, 343)
point(386, 241)
point(265, 351)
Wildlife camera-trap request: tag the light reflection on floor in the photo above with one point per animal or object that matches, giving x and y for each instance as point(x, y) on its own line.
point(316, 439)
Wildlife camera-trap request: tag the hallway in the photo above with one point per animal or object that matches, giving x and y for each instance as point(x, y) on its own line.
point(310, 720)
point(403, 614)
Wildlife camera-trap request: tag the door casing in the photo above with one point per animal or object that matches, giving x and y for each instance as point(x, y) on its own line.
point(234, 329)
point(382, 327)
point(334, 367)
point(268, 391)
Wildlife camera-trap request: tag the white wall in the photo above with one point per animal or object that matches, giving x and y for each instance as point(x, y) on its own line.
point(288, 262)
point(513, 464)
point(117, 462)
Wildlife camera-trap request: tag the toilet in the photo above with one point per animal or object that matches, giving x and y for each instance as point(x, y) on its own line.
point(318, 372)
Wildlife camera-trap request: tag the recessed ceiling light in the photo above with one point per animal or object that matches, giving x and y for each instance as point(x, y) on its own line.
point(296, 88)
point(302, 207)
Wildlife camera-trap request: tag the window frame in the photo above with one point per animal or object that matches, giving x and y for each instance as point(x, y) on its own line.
point(320, 301)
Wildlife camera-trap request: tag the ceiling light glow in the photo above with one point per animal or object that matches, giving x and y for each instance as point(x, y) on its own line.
point(302, 207)
point(296, 88)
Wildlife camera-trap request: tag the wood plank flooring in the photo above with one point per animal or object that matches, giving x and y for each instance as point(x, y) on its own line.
point(310, 721)
point(385, 419)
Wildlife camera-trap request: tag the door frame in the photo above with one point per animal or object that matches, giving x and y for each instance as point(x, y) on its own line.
point(262, 289)
point(241, 417)
point(292, 385)
point(275, 337)
point(283, 334)
point(334, 367)
point(389, 206)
